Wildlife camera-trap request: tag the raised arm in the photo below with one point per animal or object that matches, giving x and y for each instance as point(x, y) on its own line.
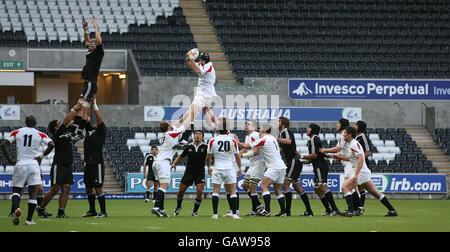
point(98, 37)
point(86, 33)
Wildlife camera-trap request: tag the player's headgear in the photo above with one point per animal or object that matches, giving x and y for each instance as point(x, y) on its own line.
point(344, 123)
point(266, 127)
point(362, 126)
point(30, 121)
point(204, 56)
point(315, 129)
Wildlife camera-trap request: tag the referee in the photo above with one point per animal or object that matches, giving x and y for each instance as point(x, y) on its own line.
point(195, 171)
point(94, 172)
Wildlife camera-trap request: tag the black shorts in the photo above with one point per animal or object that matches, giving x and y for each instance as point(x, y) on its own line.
point(61, 174)
point(189, 179)
point(320, 175)
point(94, 175)
point(89, 90)
point(294, 168)
point(151, 175)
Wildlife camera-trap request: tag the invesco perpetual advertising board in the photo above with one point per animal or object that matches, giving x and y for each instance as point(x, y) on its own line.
point(333, 89)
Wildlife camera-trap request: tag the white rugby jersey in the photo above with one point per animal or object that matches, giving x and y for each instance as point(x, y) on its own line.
point(356, 150)
point(28, 141)
point(170, 139)
point(223, 148)
point(345, 148)
point(250, 138)
point(268, 145)
point(206, 80)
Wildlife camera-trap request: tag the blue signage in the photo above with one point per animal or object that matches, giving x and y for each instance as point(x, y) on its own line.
point(137, 184)
point(77, 187)
point(308, 89)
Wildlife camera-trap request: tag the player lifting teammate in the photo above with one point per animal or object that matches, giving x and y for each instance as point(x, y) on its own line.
point(61, 172)
point(94, 172)
point(222, 148)
point(26, 170)
point(360, 175)
point(195, 171)
point(294, 166)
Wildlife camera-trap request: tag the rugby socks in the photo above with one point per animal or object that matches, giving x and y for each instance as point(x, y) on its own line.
point(159, 203)
point(102, 202)
point(15, 198)
point(356, 201)
point(362, 200)
point(304, 197)
point(237, 201)
point(228, 198)
point(249, 192)
point(91, 200)
point(39, 199)
point(386, 203)
point(147, 194)
point(349, 199)
point(325, 203)
point(330, 199)
point(282, 203)
point(215, 202)
point(233, 203)
point(255, 202)
point(179, 201)
point(266, 197)
point(197, 205)
point(31, 208)
point(61, 211)
point(288, 199)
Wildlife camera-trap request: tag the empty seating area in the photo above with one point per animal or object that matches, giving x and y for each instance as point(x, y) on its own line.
point(334, 38)
point(5, 167)
point(442, 138)
point(155, 30)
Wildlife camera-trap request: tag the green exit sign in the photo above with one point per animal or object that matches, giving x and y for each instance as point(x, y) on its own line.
point(12, 64)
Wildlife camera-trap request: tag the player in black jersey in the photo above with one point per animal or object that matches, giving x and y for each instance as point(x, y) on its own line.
point(294, 166)
point(94, 172)
point(148, 164)
point(364, 141)
point(321, 169)
point(89, 74)
point(195, 171)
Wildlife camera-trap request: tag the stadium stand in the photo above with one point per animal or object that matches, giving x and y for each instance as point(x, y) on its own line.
point(334, 38)
point(155, 30)
point(442, 138)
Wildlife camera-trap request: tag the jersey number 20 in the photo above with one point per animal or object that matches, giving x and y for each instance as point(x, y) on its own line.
point(224, 146)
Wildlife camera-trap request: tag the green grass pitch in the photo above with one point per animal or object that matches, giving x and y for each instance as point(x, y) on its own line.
point(135, 215)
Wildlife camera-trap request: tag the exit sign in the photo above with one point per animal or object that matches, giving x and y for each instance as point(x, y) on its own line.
point(12, 64)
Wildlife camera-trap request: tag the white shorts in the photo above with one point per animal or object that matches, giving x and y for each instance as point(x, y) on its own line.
point(277, 175)
point(363, 177)
point(202, 100)
point(348, 170)
point(161, 169)
point(257, 170)
point(29, 174)
point(225, 177)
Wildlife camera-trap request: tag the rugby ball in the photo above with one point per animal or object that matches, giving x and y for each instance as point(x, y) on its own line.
point(196, 53)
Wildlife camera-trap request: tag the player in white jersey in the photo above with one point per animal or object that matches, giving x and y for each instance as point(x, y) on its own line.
point(162, 164)
point(223, 148)
point(276, 168)
point(257, 167)
point(360, 174)
point(26, 170)
point(205, 90)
